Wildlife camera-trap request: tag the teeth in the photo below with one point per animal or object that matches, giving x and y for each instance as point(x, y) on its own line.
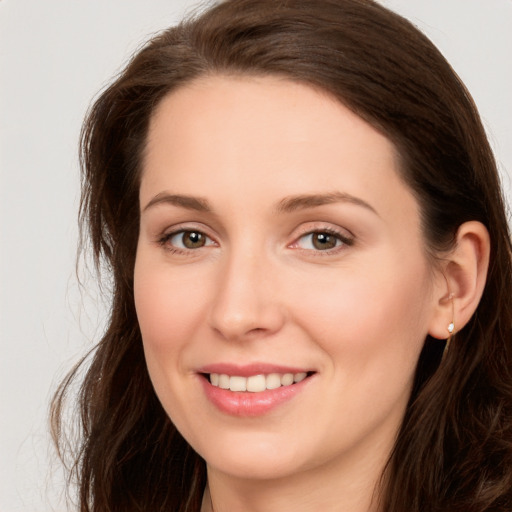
point(237, 383)
point(273, 381)
point(224, 381)
point(287, 379)
point(298, 377)
point(255, 383)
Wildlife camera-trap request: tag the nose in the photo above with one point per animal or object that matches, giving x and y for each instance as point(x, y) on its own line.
point(246, 304)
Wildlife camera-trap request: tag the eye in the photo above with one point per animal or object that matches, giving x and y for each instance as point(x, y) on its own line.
point(187, 239)
point(322, 241)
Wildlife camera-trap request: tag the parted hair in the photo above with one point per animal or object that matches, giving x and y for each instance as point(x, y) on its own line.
point(454, 449)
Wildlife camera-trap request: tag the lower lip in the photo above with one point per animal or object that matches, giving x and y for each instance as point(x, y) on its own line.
point(245, 403)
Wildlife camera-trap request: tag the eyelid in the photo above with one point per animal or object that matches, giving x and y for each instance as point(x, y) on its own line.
point(207, 240)
point(342, 234)
point(164, 238)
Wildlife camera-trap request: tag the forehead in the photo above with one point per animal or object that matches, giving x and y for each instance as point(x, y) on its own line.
point(249, 103)
point(270, 136)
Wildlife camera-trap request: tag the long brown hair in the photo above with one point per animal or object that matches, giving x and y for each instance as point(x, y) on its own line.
point(454, 450)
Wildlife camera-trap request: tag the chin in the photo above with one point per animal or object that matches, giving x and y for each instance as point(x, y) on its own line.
point(254, 459)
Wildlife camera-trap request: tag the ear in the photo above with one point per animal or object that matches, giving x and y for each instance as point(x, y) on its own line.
point(462, 281)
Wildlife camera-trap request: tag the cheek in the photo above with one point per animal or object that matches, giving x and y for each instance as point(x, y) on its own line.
point(168, 305)
point(370, 315)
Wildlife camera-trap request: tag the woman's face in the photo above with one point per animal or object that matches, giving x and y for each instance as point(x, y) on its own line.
point(277, 244)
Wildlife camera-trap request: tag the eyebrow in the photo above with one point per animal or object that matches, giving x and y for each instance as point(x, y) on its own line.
point(286, 205)
point(302, 202)
point(188, 202)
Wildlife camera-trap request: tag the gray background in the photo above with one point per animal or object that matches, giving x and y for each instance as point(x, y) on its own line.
point(55, 55)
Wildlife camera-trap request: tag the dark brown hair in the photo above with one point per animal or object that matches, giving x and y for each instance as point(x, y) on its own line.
point(454, 450)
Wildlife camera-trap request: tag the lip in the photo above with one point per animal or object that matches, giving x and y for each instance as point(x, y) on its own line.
point(247, 404)
point(250, 369)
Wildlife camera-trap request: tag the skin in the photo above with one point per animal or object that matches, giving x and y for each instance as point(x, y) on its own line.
point(260, 291)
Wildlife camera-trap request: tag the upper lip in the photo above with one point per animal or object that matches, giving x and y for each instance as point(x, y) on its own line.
point(250, 369)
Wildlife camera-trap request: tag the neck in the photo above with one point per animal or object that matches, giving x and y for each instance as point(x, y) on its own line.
point(353, 488)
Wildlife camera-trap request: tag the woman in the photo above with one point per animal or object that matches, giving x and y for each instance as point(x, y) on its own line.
point(298, 205)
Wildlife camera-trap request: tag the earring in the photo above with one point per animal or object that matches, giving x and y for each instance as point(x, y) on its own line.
point(450, 328)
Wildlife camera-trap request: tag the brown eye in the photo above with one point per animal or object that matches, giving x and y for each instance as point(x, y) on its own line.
point(189, 240)
point(193, 239)
point(322, 241)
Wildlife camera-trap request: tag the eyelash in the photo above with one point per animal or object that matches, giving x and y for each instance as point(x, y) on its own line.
point(343, 240)
point(164, 241)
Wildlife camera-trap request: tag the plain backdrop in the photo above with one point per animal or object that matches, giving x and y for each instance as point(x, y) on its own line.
point(55, 55)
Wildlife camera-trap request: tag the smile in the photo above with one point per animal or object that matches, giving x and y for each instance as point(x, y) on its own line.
point(255, 383)
point(252, 390)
